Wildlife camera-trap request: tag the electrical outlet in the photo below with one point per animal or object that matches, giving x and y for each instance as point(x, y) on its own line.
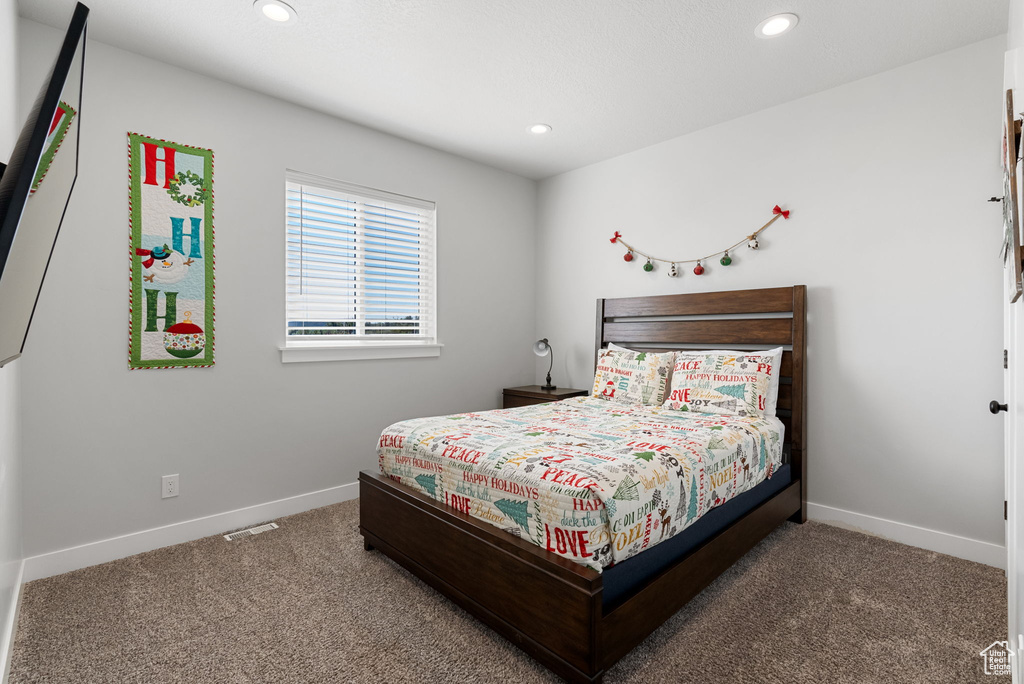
point(168, 486)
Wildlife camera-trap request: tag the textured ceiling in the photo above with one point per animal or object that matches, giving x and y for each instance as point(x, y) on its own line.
point(468, 76)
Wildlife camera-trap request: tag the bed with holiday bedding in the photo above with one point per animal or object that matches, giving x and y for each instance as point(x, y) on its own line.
point(591, 480)
point(576, 528)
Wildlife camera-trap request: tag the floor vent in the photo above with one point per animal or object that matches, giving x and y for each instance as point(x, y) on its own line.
point(251, 532)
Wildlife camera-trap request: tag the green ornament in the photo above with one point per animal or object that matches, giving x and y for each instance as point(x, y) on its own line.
point(648, 266)
point(726, 260)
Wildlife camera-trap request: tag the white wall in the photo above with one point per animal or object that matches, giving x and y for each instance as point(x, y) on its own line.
point(1015, 34)
point(10, 415)
point(97, 437)
point(887, 179)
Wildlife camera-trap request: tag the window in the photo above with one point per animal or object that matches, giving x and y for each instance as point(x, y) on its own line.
point(360, 276)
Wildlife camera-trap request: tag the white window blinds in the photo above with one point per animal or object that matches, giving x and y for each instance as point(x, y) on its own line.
point(360, 264)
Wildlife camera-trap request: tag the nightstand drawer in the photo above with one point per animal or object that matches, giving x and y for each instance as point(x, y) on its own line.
point(513, 397)
point(512, 401)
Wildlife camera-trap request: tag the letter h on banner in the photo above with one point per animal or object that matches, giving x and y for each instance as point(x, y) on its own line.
point(151, 160)
point(170, 309)
point(195, 236)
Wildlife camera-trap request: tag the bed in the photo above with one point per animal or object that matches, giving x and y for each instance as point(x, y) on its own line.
point(579, 614)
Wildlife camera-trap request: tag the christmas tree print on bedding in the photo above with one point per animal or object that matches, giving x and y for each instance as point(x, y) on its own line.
point(724, 382)
point(591, 480)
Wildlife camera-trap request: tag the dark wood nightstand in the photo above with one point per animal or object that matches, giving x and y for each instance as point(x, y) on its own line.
point(533, 394)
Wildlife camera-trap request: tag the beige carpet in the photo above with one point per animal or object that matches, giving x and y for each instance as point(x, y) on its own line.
point(305, 603)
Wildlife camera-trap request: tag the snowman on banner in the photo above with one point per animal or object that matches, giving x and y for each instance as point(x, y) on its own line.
point(163, 265)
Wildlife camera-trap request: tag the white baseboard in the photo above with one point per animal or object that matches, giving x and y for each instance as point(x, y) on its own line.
point(94, 553)
point(9, 626)
point(932, 540)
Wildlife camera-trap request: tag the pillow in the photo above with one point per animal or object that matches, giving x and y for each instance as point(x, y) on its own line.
point(775, 361)
point(632, 377)
point(613, 347)
point(775, 372)
point(668, 380)
point(726, 382)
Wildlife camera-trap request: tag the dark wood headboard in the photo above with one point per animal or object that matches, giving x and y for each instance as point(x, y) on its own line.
point(717, 320)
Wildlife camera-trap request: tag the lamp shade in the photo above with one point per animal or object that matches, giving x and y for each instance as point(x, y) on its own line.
point(541, 347)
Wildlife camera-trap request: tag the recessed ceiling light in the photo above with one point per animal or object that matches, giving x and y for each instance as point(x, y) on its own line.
point(275, 10)
point(776, 25)
point(539, 129)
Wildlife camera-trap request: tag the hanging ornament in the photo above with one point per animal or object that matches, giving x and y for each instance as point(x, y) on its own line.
point(648, 266)
point(628, 256)
point(753, 242)
point(698, 269)
point(725, 260)
point(672, 273)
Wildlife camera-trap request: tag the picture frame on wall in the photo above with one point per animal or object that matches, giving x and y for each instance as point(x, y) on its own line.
point(1011, 216)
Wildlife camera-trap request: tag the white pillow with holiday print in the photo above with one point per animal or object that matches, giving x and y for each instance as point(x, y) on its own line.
point(632, 377)
point(734, 383)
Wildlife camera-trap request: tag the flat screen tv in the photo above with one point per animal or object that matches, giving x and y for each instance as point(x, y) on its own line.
point(35, 187)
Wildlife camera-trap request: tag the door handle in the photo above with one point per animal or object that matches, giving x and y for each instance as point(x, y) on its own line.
point(996, 407)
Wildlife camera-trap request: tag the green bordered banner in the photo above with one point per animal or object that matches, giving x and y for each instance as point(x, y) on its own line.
point(172, 274)
point(62, 119)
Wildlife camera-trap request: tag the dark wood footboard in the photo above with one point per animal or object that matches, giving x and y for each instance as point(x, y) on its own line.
point(545, 604)
point(548, 606)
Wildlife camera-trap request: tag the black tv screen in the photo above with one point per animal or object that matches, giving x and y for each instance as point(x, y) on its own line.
point(36, 186)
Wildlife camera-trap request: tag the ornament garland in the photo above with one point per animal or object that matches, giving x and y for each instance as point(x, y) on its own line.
point(751, 241)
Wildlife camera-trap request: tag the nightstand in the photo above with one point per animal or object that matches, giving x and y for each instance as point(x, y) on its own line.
point(533, 394)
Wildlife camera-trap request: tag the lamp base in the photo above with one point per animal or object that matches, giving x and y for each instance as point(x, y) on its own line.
point(548, 386)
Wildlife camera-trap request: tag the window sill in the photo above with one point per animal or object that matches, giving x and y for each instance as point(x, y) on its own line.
point(362, 352)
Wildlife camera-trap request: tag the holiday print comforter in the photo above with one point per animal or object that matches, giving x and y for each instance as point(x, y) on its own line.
point(591, 480)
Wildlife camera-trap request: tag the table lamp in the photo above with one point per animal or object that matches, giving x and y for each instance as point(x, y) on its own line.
point(543, 348)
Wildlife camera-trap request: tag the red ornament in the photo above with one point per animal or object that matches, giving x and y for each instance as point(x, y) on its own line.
point(186, 327)
point(616, 238)
point(629, 256)
point(778, 211)
point(698, 269)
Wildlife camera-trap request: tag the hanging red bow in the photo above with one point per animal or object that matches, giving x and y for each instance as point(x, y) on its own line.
point(778, 210)
point(616, 238)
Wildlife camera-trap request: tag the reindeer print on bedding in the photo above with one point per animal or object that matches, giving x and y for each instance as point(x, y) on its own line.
point(591, 480)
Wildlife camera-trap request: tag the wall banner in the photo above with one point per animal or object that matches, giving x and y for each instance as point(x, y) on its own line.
point(170, 207)
point(62, 119)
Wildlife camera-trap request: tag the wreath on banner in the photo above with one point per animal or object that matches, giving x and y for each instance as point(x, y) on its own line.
point(189, 178)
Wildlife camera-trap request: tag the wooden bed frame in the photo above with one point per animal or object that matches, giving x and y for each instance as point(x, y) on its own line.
point(552, 607)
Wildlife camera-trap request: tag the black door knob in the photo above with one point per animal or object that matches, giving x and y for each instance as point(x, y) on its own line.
point(996, 407)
